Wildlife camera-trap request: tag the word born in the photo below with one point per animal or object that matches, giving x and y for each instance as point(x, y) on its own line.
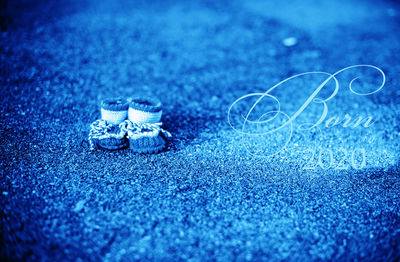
point(333, 121)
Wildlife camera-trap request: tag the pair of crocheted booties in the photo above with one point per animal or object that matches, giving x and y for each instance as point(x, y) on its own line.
point(133, 123)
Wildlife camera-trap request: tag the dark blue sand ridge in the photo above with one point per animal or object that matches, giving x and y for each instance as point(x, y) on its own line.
point(205, 197)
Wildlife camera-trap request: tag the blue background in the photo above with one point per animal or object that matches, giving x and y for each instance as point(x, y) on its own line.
point(204, 197)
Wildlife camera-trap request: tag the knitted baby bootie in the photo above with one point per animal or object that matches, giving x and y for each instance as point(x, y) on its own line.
point(146, 145)
point(115, 141)
point(145, 138)
point(105, 133)
point(144, 110)
point(106, 136)
point(114, 110)
point(142, 132)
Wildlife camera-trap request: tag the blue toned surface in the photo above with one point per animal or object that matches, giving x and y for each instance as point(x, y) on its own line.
point(204, 197)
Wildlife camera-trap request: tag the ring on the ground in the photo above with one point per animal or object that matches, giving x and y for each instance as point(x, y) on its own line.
point(144, 110)
point(114, 110)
